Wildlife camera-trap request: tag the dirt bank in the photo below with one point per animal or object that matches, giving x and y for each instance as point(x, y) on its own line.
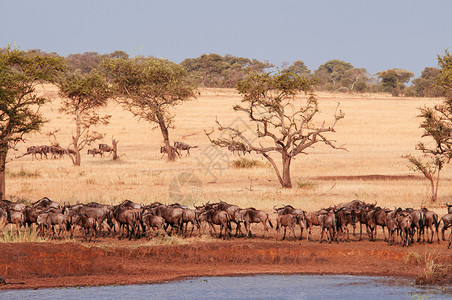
point(41, 265)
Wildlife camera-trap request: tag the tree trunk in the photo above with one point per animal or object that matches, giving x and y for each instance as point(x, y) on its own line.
point(2, 176)
point(286, 181)
point(171, 151)
point(115, 148)
point(77, 158)
point(435, 187)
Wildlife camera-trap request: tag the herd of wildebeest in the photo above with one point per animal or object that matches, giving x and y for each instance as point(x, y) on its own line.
point(132, 220)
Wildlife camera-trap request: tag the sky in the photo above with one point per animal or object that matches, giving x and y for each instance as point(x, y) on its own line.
point(372, 34)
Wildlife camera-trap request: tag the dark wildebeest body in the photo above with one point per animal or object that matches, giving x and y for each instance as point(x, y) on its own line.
point(253, 215)
point(344, 217)
point(328, 223)
point(238, 148)
point(285, 221)
point(164, 151)
point(87, 224)
point(447, 222)
point(183, 146)
point(377, 217)
point(57, 218)
point(289, 210)
point(129, 218)
point(157, 223)
point(217, 217)
point(190, 216)
point(105, 148)
point(405, 226)
point(418, 223)
point(172, 215)
point(431, 223)
point(95, 151)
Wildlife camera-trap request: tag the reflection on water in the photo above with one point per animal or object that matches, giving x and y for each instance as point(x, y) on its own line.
point(250, 287)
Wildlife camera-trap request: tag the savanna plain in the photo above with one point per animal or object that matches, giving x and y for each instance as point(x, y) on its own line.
point(376, 132)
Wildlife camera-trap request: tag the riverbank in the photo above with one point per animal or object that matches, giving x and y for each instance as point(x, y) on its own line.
point(113, 262)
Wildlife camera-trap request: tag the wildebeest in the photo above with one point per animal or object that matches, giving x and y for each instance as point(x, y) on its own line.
point(95, 151)
point(449, 208)
point(129, 219)
point(252, 215)
point(238, 148)
point(299, 213)
point(172, 215)
point(164, 151)
point(418, 223)
point(285, 221)
point(328, 223)
point(157, 223)
point(447, 222)
point(87, 224)
point(105, 148)
point(405, 226)
point(183, 146)
point(217, 217)
point(432, 223)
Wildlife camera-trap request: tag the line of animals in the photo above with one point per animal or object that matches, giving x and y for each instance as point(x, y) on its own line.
point(57, 152)
point(236, 149)
point(132, 220)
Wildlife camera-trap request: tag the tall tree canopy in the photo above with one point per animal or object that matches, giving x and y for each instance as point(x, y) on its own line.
point(393, 80)
point(20, 73)
point(214, 70)
point(149, 88)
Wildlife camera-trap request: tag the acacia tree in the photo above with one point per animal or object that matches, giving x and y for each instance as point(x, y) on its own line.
point(149, 88)
point(437, 126)
point(284, 122)
point(20, 73)
point(83, 95)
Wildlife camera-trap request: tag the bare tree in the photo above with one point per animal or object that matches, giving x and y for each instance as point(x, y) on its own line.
point(437, 126)
point(284, 122)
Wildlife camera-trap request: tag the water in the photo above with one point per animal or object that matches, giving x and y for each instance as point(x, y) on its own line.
point(249, 287)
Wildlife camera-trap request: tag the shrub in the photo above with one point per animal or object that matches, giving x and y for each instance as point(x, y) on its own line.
point(245, 163)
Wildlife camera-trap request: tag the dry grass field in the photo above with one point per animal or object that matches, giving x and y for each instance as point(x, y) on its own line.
point(377, 131)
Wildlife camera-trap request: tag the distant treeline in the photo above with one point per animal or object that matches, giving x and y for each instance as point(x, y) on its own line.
point(213, 70)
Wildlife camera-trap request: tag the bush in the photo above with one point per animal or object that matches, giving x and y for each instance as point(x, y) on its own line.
point(23, 174)
point(245, 163)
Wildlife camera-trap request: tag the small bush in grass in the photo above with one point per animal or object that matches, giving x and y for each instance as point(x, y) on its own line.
point(245, 163)
point(23, 174)
point(306, 185)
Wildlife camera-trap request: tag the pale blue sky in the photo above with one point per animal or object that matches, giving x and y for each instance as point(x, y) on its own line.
point(376, 35)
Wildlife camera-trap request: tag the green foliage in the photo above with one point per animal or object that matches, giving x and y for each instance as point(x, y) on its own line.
point(298, 68)
point(20, 73)
point(338, 75)
point(425, 85)
point(89, 61)
point(444, 80)
point(213, 70)
point(83, 94)
point(393, 80)
point(148, 87)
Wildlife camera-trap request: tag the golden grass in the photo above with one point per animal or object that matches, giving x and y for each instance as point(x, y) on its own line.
point(377, 131)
